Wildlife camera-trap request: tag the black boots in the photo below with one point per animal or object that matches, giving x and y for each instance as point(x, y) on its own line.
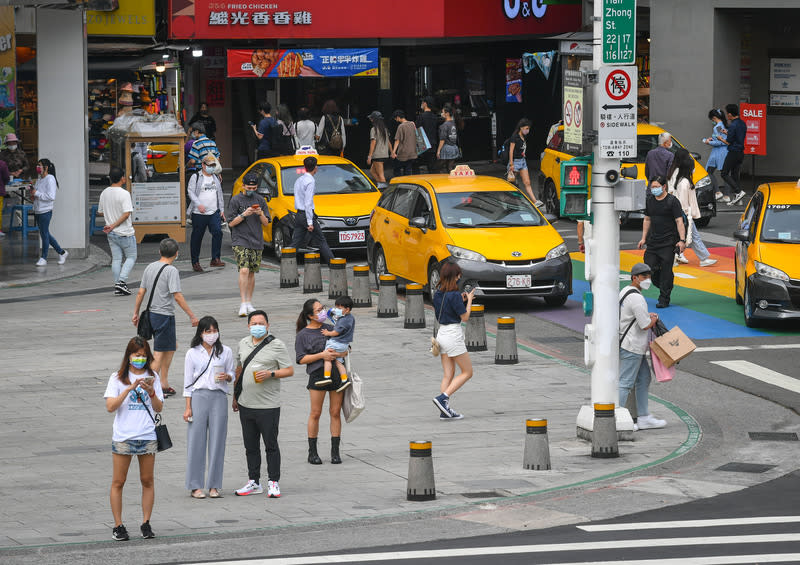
point(313, 456)
point(335, 459)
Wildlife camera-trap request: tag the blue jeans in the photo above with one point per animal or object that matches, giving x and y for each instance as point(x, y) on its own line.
point(43, 221)
point(634, 372)
point(122, 245)
point(199, 224)
point(698, 245)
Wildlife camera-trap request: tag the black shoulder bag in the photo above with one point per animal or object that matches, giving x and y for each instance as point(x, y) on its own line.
point(237, 386)
point(202, 372)
point(162, 434)
point(144, 328)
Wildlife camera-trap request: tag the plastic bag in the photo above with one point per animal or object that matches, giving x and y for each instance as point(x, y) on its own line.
point(353, 402)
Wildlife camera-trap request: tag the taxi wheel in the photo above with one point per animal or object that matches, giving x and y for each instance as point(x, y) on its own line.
point(433, 279)
point(379, 267)
point(279, 240)
point(550, 198)
point(555, 300)
point(739, 300)
point(749, 320)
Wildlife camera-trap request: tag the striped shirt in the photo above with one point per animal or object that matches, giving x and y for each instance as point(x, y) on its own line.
point(201, 146)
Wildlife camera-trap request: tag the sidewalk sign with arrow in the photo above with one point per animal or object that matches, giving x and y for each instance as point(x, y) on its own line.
point(617, 124)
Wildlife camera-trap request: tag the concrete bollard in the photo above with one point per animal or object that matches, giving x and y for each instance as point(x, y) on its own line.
point(415, 307)
point(387, 299)
point(420, 472)
point(537, 446)
point(475, 334)
point(312, 274)
point(289, 276)
point(604, 434)
point(362, 298)
point(506, 347)
point(337, 278)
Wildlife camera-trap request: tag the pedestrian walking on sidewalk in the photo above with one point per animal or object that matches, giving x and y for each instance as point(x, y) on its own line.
point(517, 156)
point(44, 196)
point(378, 148)
point(208, 368)
point(165, 294)
point(451, 308)
point(247, 213)
point(447, 150)
point(309, 347)
point(201, 146)
point(306, 220)
point(207, 210)
point(405, 144)
point(718, 152)
point(659, 159)
point(134, 394)
point(429, 121)
point(305, 129)
point(260, 362)
point(116, 207)
point(664, 234)
point(634, 324)
point(737, 131)
point(682, 187)
point(331, 134)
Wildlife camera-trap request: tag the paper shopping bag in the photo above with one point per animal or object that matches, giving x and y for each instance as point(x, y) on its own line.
point(672, 346)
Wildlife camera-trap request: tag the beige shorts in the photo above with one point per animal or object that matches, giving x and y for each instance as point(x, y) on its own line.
point(451, 340)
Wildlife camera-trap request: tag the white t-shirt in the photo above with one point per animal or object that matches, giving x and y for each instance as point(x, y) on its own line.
point(634, 309)
point(206, 194)
point(114, 202)
point(131, 420)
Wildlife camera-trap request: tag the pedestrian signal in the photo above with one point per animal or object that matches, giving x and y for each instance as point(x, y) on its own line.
point(574, 188)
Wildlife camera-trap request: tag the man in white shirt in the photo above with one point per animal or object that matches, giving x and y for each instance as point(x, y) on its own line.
point(305, 221)
point(116, 206)
point(634, 324)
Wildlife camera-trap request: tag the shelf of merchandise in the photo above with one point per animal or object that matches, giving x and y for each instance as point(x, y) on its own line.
point(102, 102)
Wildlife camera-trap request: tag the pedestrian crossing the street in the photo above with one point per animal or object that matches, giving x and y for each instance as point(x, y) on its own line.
point(743, 540)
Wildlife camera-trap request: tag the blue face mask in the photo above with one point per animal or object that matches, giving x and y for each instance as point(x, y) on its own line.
point(138, 362)
point(337, 312)
point(258, 331)
point(656, 191)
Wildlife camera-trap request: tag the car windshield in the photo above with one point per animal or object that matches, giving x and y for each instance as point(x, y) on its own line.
point(487, 209)
point(781, 223)
point(646, 142)
point(340, 178)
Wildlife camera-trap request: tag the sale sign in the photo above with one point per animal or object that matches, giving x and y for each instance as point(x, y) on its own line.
point(295, 63)
point(755, 118)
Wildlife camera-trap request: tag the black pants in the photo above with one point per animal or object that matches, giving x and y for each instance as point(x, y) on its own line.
point(427, 158)
point(260, 423)
point(730, 169)
point(317, 239)
point(404, 168)
point(660, 260)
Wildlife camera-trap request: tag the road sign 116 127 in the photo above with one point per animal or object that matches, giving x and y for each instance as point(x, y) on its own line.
point(619, 32)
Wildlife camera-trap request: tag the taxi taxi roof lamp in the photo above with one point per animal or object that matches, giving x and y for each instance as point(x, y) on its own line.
point(306, 150)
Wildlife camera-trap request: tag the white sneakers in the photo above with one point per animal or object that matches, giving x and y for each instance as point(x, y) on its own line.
point(273, 490)
point(650, 422)
point(243, 310)
point(737, 197)
point(249, 308)
point(681, 258)
point(42, 262)
point(707, 262)
point(251, 487)
point(63, 257)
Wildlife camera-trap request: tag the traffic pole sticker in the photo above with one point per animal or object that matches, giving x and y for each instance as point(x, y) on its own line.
point(578, 114)
point(617, 112)
point(568, 113)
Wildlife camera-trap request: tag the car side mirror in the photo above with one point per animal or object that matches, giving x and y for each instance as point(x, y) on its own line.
point(742, 235)
point(419, 222)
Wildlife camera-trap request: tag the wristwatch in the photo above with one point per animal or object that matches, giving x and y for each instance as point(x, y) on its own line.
point(682, 240)
point(272, 374)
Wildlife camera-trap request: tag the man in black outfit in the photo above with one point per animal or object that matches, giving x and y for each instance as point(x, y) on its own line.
point(662, 230)
point(737, 131)
point(429, 122)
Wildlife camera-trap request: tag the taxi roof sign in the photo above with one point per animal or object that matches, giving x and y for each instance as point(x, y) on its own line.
point(306, 150)
point(462, 171)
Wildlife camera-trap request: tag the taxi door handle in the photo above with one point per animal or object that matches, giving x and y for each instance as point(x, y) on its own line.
point(386, 220)
point(408, 232)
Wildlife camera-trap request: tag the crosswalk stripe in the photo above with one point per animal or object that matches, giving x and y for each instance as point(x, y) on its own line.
point(516, 549)
point(761, 374)
point(710, 560)
point(723, 348)
point(690, 523)
point(780, 346)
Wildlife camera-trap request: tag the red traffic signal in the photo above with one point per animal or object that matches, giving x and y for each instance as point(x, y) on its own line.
point(575, 175)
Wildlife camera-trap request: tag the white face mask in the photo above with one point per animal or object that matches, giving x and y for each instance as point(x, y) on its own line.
point(645, 284)
point(211, 339)
point(12, 147)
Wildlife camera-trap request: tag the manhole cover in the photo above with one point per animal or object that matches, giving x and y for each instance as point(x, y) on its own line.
point(745, 467)
point(485, 494)
point(773, 436)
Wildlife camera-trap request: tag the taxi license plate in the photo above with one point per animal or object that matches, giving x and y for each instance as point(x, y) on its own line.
point(352, 236)
point(518, 281)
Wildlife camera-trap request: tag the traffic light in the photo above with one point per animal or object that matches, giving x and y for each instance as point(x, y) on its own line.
point(574, 188)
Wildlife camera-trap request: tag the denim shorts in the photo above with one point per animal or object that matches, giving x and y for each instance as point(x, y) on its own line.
point(135, 447)
point(164, 338)
point(336, 345)
point(520, 164)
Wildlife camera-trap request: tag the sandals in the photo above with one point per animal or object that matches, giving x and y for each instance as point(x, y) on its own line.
point(214, 493)
point(169, 391)
point(198, 493)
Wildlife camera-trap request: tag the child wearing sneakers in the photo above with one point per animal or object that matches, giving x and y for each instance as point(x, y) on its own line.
point(339, 339)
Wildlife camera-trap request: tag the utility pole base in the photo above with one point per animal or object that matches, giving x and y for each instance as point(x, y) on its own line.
point(585, 423)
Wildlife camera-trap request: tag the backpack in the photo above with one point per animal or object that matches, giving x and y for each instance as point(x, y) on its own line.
point(335, 141)
point(278, 141)
point(504, 151)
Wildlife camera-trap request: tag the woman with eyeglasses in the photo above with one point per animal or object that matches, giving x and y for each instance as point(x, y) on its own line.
point(133, 395)
point(207, 371)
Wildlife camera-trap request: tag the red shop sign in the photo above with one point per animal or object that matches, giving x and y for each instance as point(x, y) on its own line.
point(755, 117)
point(282, 19)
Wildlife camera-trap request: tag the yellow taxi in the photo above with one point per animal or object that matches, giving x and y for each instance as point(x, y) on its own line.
point(343, 201)
point(163, 158)
point(768, 254)
point(647, 139)
point(501, 241)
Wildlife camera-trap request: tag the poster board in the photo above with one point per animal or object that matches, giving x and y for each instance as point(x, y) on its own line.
point(158, 195)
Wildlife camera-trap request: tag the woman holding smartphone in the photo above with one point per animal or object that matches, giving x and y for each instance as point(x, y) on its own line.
point(208, 369)
point(44, 197)
point(133, 393)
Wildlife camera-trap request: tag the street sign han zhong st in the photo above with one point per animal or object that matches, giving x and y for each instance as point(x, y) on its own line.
point(617, 112)
point(619, 32)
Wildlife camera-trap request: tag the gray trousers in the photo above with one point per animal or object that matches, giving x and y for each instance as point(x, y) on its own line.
point(208, 429)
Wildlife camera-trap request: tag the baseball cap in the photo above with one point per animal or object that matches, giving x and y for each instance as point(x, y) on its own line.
point(250, 179)
point(641, 269)
point(374, 115)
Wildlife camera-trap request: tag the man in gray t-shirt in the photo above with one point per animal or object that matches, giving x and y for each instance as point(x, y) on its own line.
point(165, 292)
